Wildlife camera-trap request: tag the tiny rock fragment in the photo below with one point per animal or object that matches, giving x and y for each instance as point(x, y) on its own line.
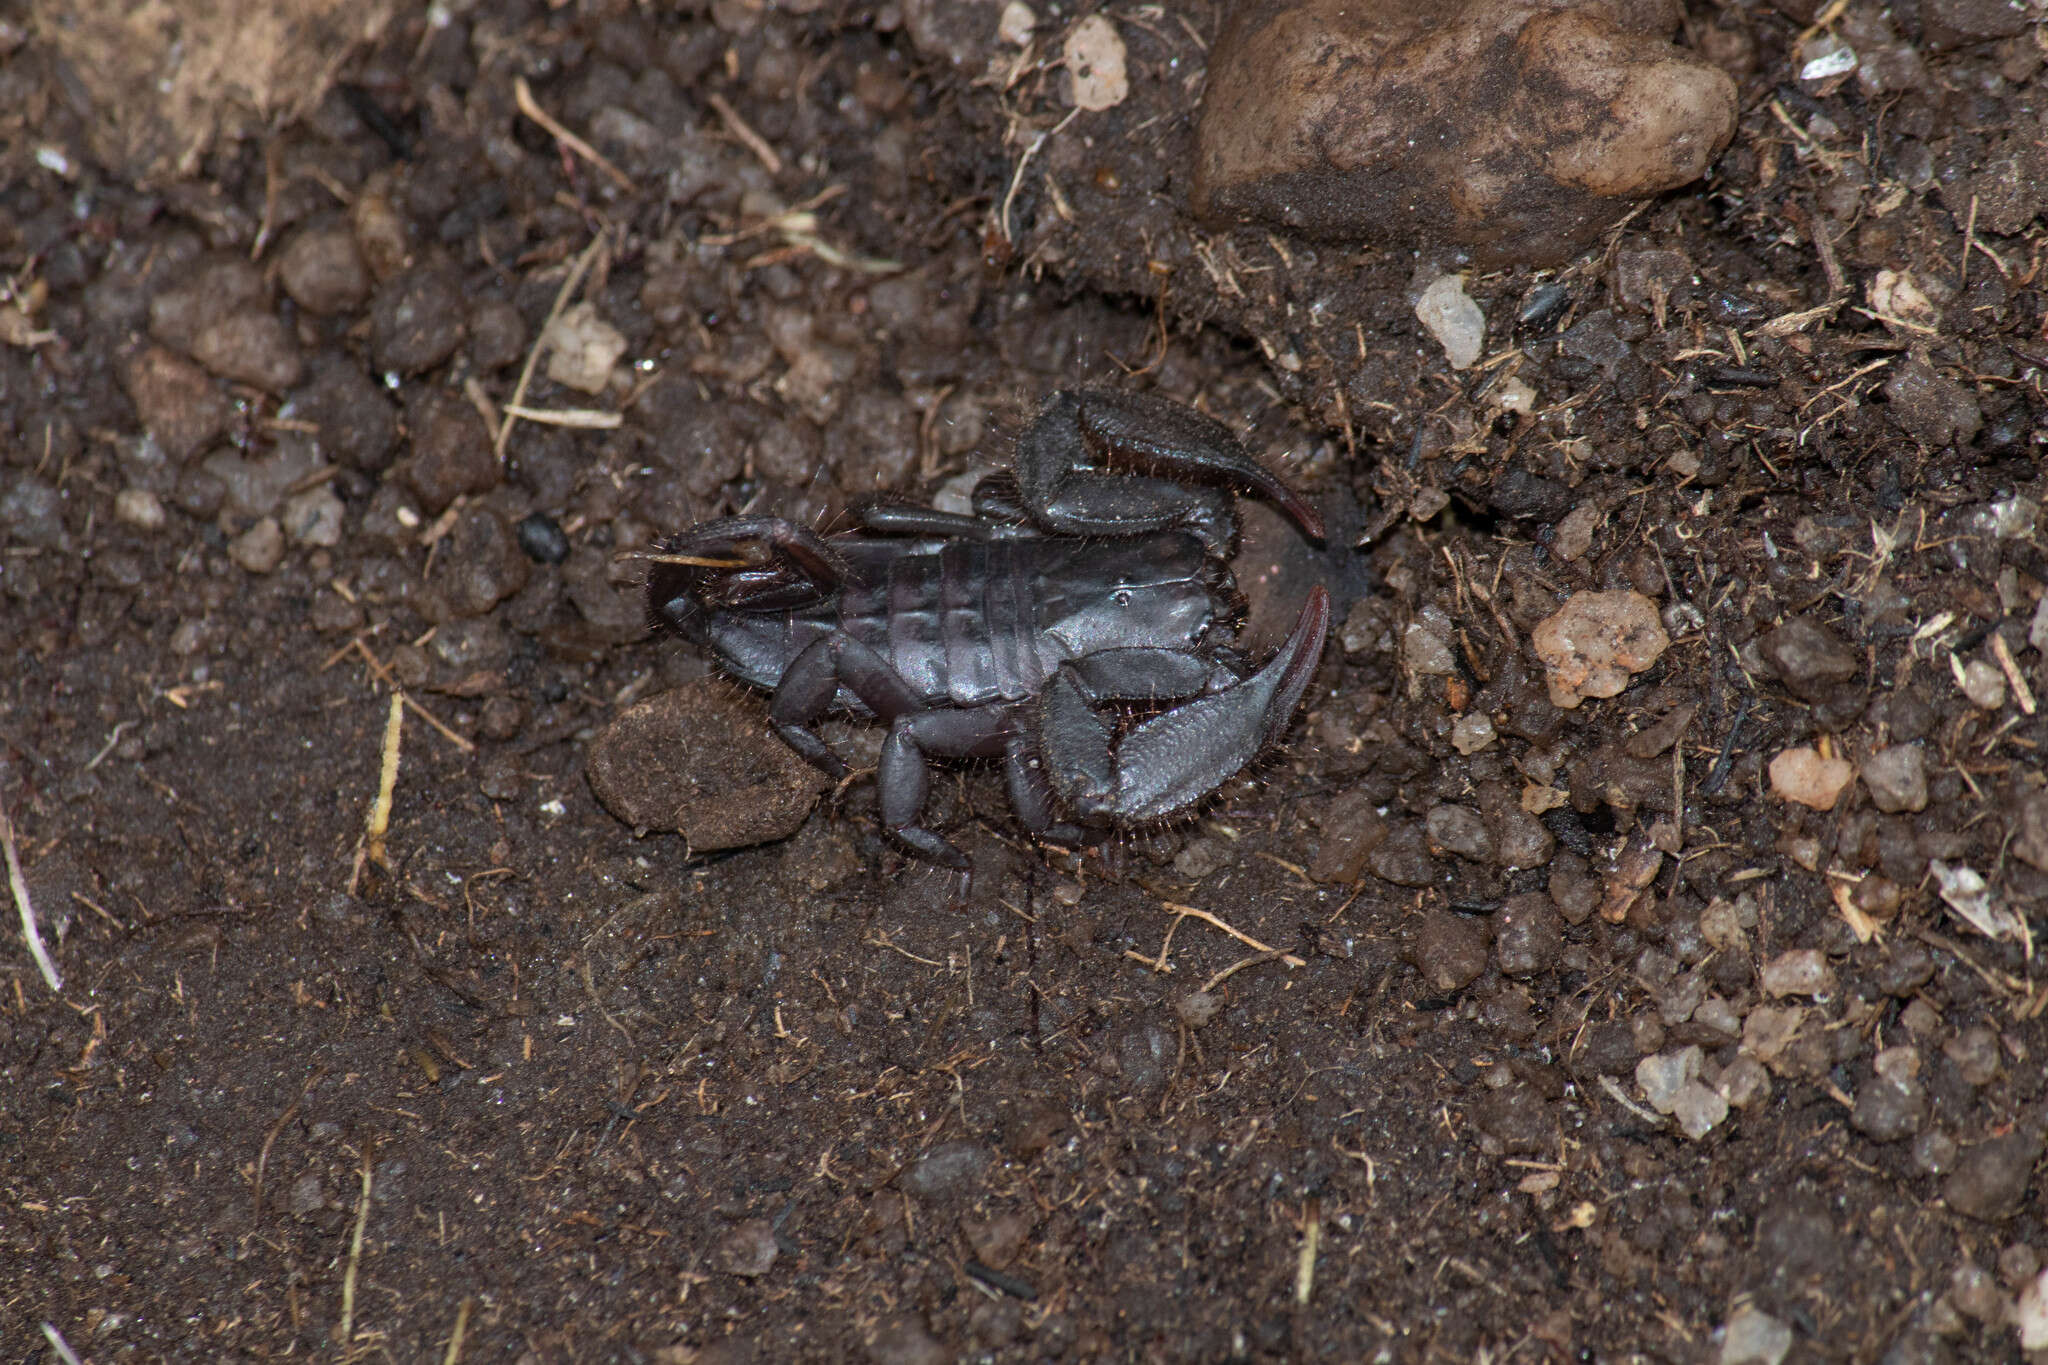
point(1769, 1030)
point(1016, 24)
point(175, 399)
point(1575, 533)
point(1094, 58)
point(140, 508)
point(1896, 297)
point(1802, 775)
point(1809, 657)
point(1753, 1337)
point(1699, 1109)
point(259, 549)
point(1801, 971)
point(1983, 684)
point(2030, 830)
point(1448, 313)
point(1990, 1179)
point(701, 760)
point(1744, 1082)
point(583, 348)
point(1473, 732)
point(1897, 778)
point(1196, 1008)
point(1891, 1105)
point(1352, 828)
point(748, 1250)
point(1661, 1076)
point(1635, 869)
point(1427, 652)
point(1967, 893)
point(951, 1168)
point(1448, 950)
point(1593, 643)
point(2030, 1313)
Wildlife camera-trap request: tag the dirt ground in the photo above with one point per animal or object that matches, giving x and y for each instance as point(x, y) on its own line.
point(1471, 1028)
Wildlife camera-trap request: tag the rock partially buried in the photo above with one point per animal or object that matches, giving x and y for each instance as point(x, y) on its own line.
point(1520, 127)
point(700, 760)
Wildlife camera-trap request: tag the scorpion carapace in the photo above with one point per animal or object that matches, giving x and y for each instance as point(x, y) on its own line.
point(1090, 584)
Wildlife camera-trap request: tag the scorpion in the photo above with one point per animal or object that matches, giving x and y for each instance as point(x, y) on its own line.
point(1088, 587)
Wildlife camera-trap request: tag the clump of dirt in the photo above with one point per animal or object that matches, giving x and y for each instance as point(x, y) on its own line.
point(1467, 1025)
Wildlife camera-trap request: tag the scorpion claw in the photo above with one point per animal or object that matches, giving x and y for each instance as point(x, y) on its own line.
point(1180, 756)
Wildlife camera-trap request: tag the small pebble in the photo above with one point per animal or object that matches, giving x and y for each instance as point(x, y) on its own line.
point(1661, 1077)
point(1426, 652)
point(907, 1341)
point(1891, 1105)
point(140, 508)
point(1990, 1179)
point(314, 517)
point(1744, 1082)
point(1448, 313)
point(1768, 1031)
point(259, 549)
point(1897, 778)
point(1448, 950)
point(1984, 685)
point(177, 401)
point(2030, 828)
point(747, 1250)
point(417, 319)
point(1802, 775)
point(1935, 1152)
point(250, 347)
point(323, 271)
point(1459, 830)
point(307, 1195)
point(1974, 1054)
point(1698, 1109)
point(1472, 732)
point(1753, 1337)
point(1527, 935)
point(1975, 1293)
point(32, 513)
point(2030, 1313)
point(951, 1168)
point(1801, 971)
point(1201, 857)
point(1809, 657)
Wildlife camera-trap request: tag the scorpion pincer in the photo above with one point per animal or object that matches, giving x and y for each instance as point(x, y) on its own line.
point(1089, 586)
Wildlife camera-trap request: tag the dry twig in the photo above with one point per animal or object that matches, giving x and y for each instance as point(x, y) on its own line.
point(523, 94)
point(17, 884)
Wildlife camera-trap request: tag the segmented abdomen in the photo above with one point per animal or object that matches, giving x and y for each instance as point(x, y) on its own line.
point(959, 625)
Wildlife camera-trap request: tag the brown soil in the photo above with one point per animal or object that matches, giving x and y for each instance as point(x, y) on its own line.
point(571, 1093)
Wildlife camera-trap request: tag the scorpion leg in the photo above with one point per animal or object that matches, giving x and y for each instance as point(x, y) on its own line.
point(904, 519)
point(1063, 493)
point(1180, 756)
point(903, 778)
point(813, 679)
point(1032, 796)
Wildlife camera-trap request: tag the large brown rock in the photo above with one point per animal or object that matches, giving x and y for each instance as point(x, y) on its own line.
point(1519, 127)
point(701, 760)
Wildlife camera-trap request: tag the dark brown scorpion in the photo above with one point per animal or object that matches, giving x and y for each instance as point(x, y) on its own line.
point(1087, 585)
